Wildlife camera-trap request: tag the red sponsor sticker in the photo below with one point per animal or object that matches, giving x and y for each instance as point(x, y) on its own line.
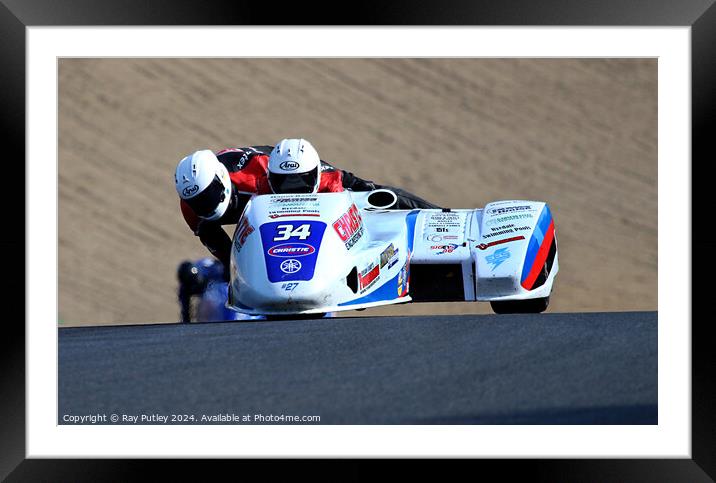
point(348, 223)
point(366, 278)
point(485, 246)
point(244, 231)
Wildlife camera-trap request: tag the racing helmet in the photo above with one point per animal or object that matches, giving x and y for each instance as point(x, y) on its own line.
point(294, 167)
point(203, 183)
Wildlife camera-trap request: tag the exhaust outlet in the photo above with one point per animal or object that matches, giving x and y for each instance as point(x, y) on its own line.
point(382, 199)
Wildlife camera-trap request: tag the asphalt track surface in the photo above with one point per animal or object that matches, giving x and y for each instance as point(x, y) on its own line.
point(585, 368)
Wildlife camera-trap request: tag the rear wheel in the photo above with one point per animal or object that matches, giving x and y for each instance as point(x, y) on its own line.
point(529, 306)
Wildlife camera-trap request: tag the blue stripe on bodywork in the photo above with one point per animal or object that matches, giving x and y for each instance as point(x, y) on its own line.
point(543, 223)
point(389, 289)
point(410, 222)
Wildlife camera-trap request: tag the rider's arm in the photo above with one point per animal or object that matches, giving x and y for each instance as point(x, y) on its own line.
point(212, 236)
point(347, 180)
point(406, 200)
point(354, 183)
point(217, 241)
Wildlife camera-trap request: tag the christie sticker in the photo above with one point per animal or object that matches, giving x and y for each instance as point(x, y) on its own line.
point(291, 250)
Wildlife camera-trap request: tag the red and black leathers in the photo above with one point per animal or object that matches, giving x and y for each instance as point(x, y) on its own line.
point(248, 170)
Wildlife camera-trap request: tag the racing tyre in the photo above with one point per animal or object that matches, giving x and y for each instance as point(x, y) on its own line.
point(529, 306)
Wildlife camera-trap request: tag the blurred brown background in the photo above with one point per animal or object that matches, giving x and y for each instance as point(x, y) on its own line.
point(580, 134)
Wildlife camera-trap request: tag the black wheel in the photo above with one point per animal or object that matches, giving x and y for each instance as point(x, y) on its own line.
point(529, 306)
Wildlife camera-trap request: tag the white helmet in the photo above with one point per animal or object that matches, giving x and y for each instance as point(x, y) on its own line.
point(294, 167)
point(203, 182)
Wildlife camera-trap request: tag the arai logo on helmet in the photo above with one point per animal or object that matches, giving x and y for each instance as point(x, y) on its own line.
point(190, 190)
point(291, 250)
point(289, 165)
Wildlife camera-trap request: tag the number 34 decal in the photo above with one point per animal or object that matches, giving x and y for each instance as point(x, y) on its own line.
point(286, 232)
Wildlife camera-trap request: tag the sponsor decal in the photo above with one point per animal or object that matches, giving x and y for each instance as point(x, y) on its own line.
point(498, 233)
point(289, 165)
point(434, 237)
point(403, 280)
point(295, 205)
point(242, 232)
point(349, 227)
point(497, 257)
point(289, 287)
point(508, 218)
point(290, 266)
point(295, 198)
point(501, 227)
point(510, 209)
point(447, 248)
point(387, 255)
point(190, 190)
point(442, 222)
point(485, 246)
point(444, 226)
point(368, 276)
point(283, 215)
point(291, 250)
point(502, 202)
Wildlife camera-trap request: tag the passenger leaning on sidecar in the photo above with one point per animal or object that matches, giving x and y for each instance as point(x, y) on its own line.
point(214, 188)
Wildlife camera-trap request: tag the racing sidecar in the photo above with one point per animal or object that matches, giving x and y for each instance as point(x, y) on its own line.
point(326, 252)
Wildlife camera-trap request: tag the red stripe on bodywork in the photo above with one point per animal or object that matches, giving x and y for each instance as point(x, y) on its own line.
point(540, 258)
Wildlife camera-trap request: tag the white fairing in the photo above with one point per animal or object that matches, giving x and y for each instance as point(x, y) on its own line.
point(325, 252)
point(515, 238)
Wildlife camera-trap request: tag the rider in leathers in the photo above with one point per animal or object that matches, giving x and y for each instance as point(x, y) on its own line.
point(249, 174)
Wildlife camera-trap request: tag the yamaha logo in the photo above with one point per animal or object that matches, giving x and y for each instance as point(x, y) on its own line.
point(290, 266)
point(288, 165)
point(190, 190)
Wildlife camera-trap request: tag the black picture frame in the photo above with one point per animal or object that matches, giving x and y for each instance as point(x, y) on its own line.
point(700, 15)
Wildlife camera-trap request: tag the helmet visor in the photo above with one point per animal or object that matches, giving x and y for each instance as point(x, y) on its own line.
point(206, 202)
point(294, 182)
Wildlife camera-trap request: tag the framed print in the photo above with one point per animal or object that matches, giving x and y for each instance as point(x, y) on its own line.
point(574, 117)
